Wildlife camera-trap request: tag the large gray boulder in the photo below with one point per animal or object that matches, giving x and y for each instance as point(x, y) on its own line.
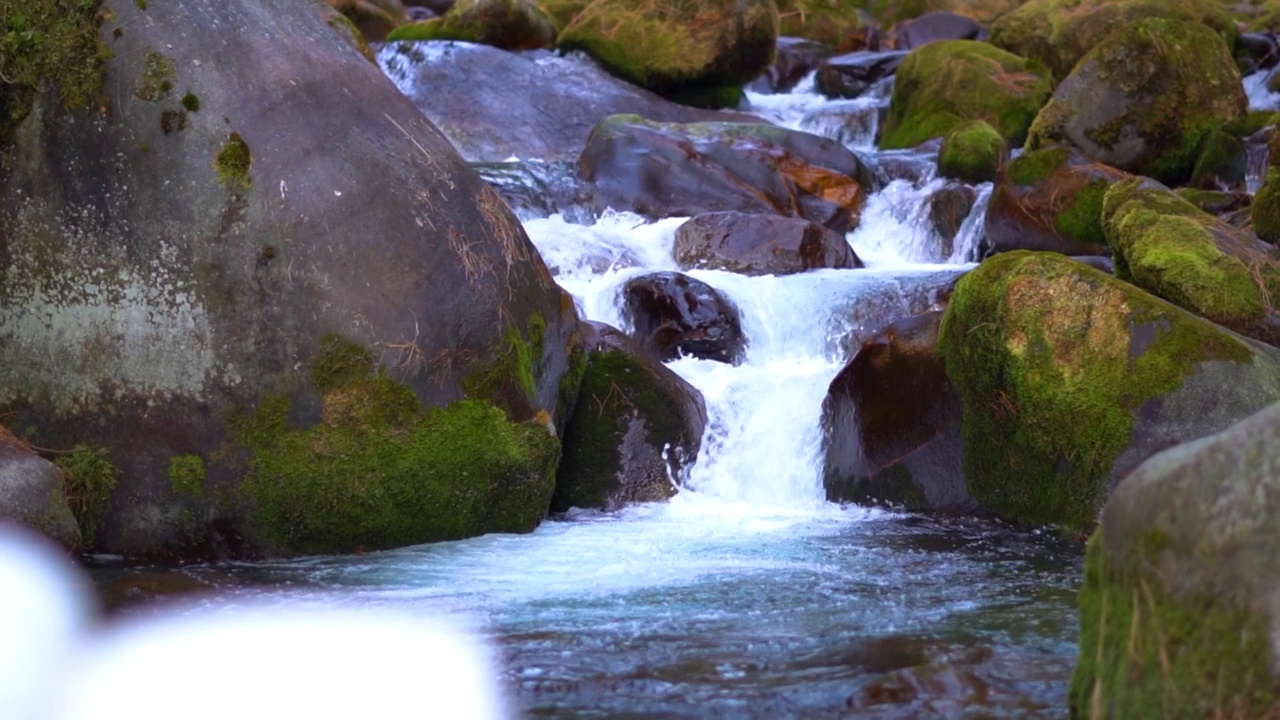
point(248, 234)
point(1179, 609)
point(32, 493)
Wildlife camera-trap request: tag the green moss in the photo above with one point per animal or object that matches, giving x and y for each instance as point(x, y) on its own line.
point(348, 31)
point(49, 41)
point(972, 152)
point(157, 78)
point(142, 4)
point(1049, 385)
point(339, 362)
point(827, 21)
point(508, 24)
point(1221, 162)
point(1082, 218)
point(1265, 209)
point(509, 381)
point(233, 161)
point(1171, 248)
point(90, 478)
point(1034, 166)
point(671, 46)
point(616, 387)
point(191, 101)
point(562, 12)
point(1145, 653)
point(377, 471)
point(944, 84)
point(187, 475)
point(1251, 123)
point(435, 29)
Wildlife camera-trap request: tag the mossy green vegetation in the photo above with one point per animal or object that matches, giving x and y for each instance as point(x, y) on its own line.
point(191, 102)
point(1265, 209)
point(232, 162)
point(508, 24)
point(1035, 165)
point(562, 12)
point(672, 45)
point(378, 471)
point(944, 84)
point(616, 388)
point(1171, 248)
point(1172, 84)
point(1145, 653)
point(1220, 163)
point(1051, 359)
point(49, 41)
point(1081, 218)
point(157, 78)
point(972, 152)
point(509, 380)
point(827, 21)
point(1058, 33)
point(187, 475)
point(90, 477)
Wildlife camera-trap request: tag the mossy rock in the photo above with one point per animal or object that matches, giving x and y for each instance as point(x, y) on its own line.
point(1050, 199)
point(1171, 248)
point(1144, 99)
point(348, 31)
point(1265, 209)
point(373, 18)
point(636, 428)
point(508, 24)
point(1068, 378)
point(827, 21)
point(972, 152)
point(1221, 164)
point(1059, 33)
point(673, 45)
point(49, 42)
point(1177, 609)
point(378, 471)
point(33, 493)
point(944, 84)
point(889, 12)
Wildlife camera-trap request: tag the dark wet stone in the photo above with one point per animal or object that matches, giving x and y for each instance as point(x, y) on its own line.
point(849, 76)
point(672, 314)
point(795, 58)
point(754, 244)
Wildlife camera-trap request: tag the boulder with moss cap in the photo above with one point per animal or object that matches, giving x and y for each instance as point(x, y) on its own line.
point(507, 24)
point(1178, 610)
point(1069, 378)
point(1265, 208)
point(672, 46)
point(1173, 249)
point(827, 21)
point(944, 84)
point(1059, 33)
point(1145, 98)
point(636, 429)
point(146, 324)
point(1050, 199)
point(972, 152)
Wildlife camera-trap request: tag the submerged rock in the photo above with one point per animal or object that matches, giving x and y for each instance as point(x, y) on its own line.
point(891, 424)
point(672, 314)
point(636, 427)
point(494, 105)
point(179, 261)
point(1069, 378)
point(32, 493)
point(754, 244)
point(944, 84)
point(668, 170)
point(1178, 609)
point(1171, 248)
point(1145, 98)
point(1050, 199)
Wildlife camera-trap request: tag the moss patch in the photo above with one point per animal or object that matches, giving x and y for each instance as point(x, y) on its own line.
point(90, 478)
point(378, 471)
point(508, 24)
point(1265, 210)
point(157, 78)
point(191, 101)
point(232, 162)
point(1144, 653)
point(944, 84)
point(1081, 219)
point(827, 21)
point(1033, 166)
point(49, 41)
point(972, 152)
point(187, 475)
point(1049, 384)
point(509, 381)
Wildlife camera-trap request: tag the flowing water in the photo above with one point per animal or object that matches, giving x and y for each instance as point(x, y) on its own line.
point(747, 595)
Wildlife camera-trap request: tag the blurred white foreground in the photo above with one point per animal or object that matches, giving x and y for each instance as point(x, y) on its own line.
point(262, 662)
